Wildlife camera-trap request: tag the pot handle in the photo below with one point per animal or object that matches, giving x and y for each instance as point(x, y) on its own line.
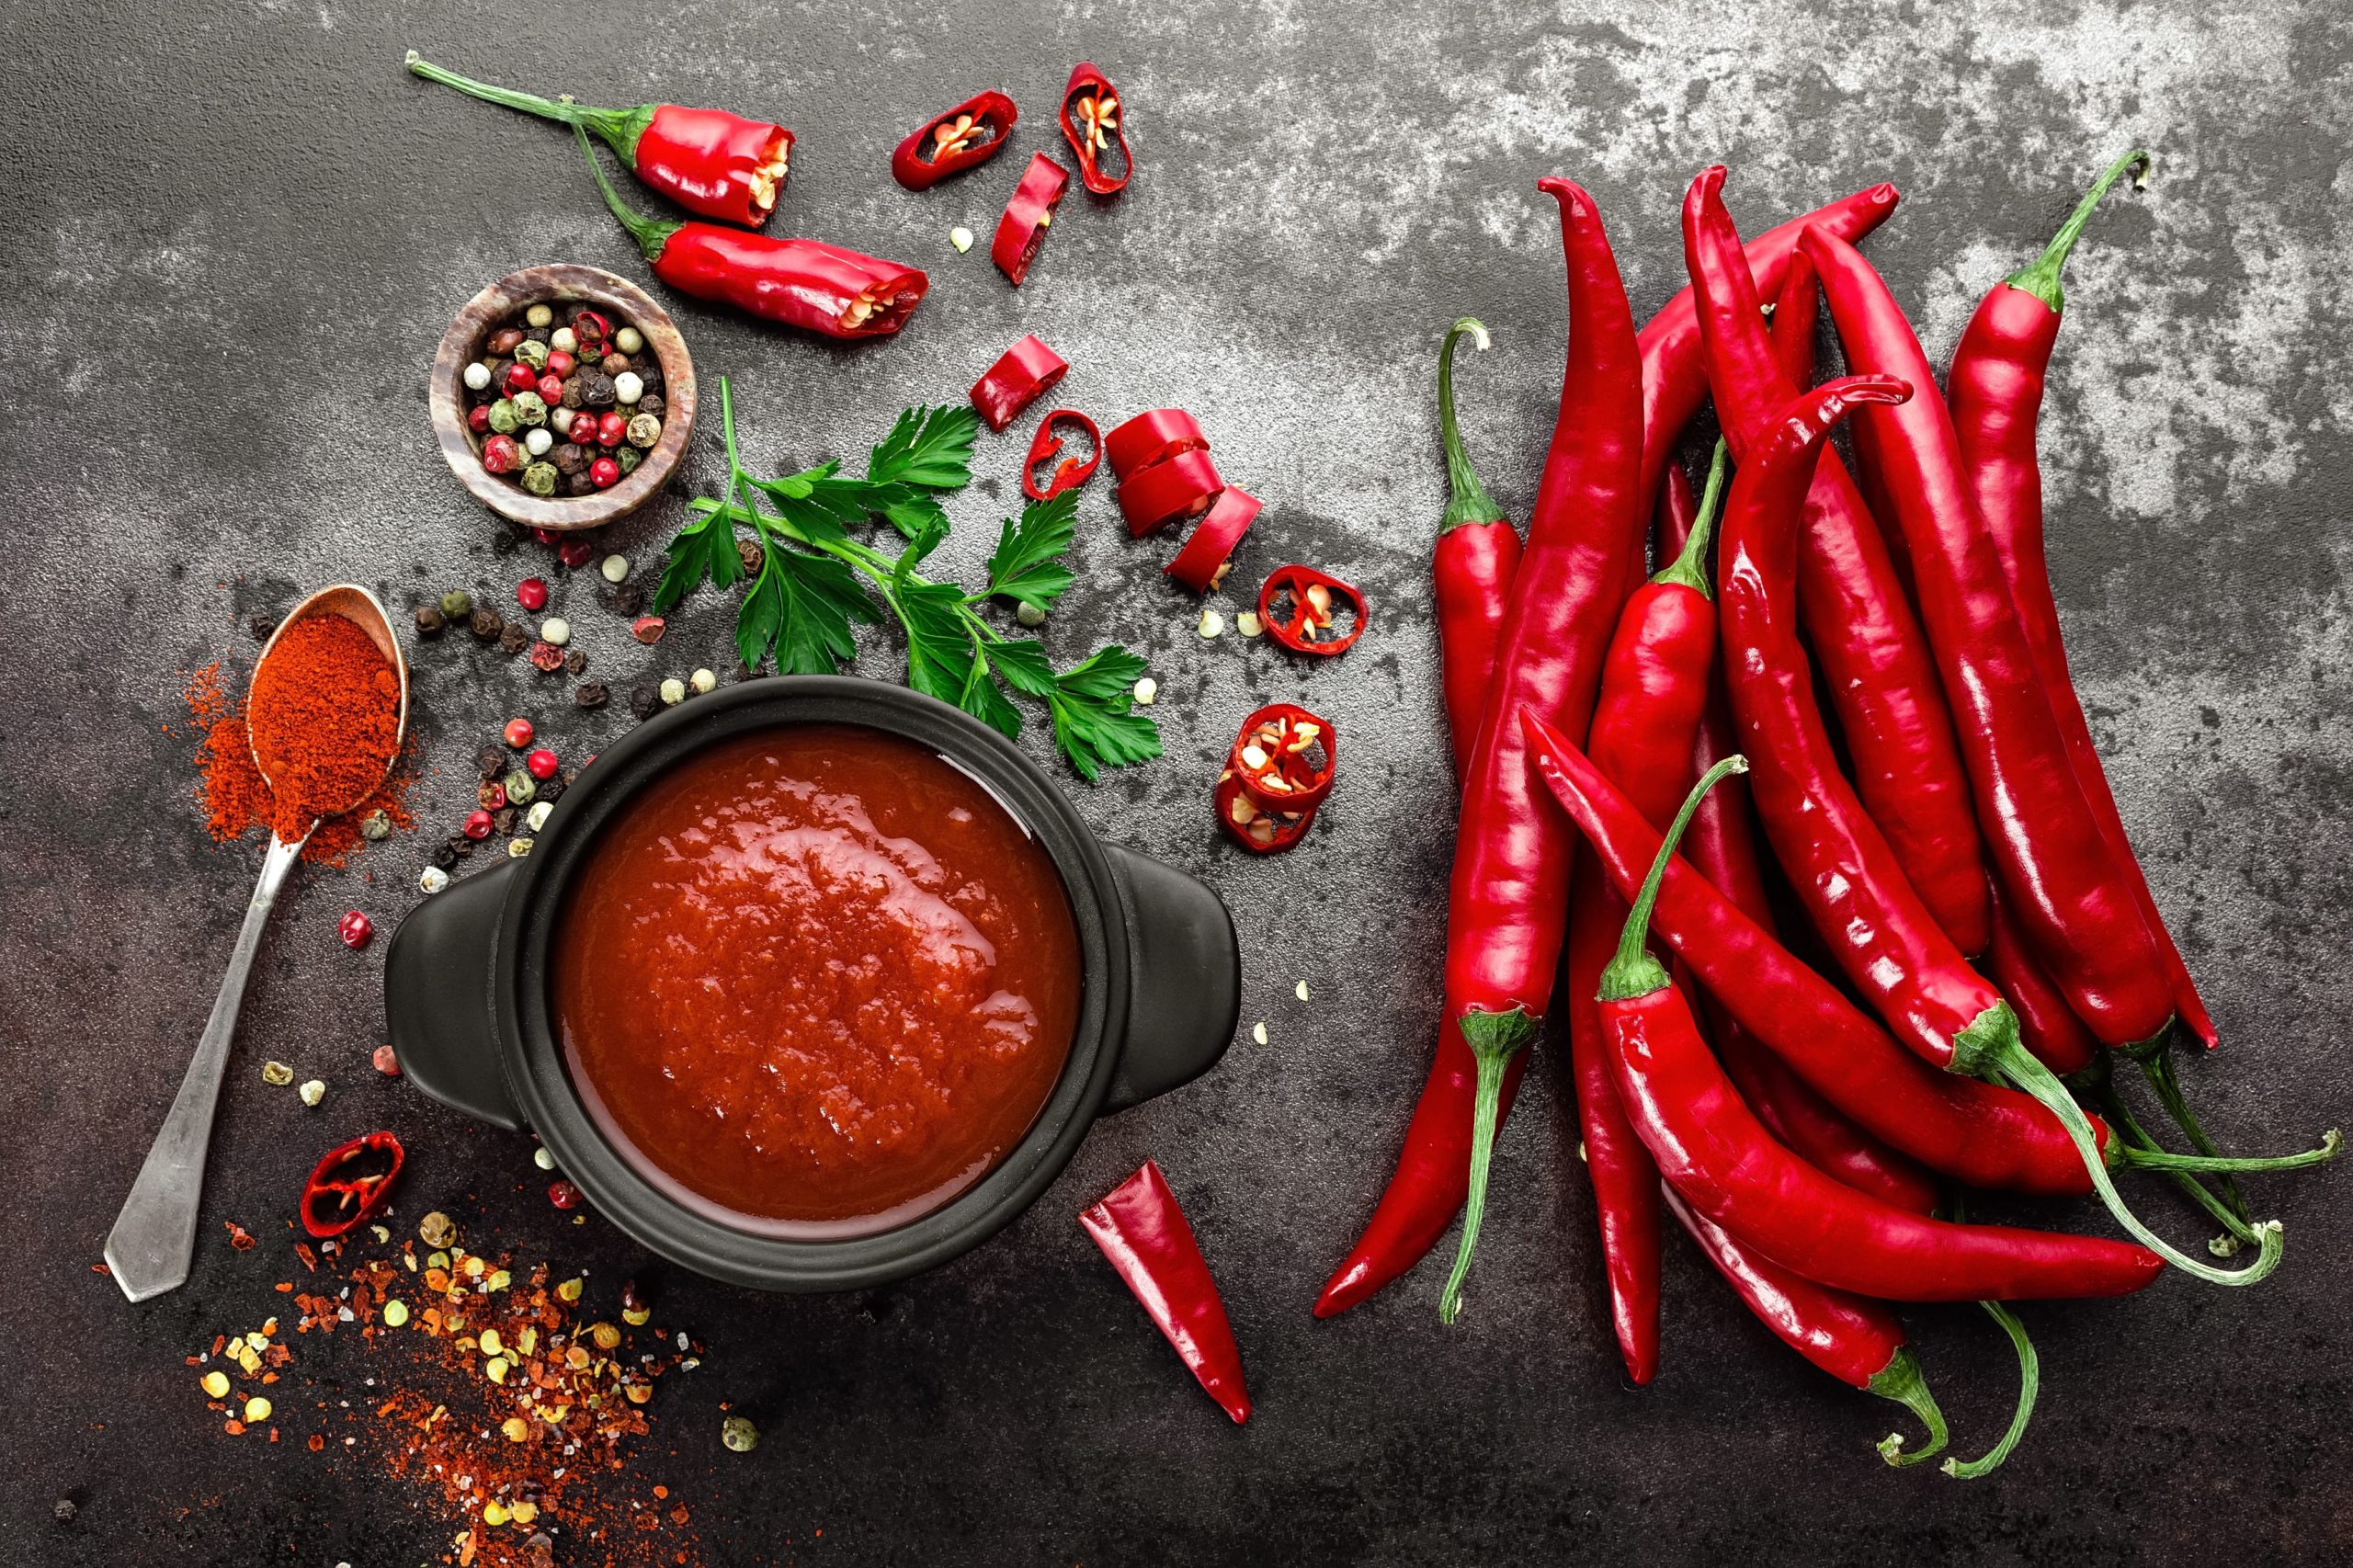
point(1184, 977)
point(437, 998)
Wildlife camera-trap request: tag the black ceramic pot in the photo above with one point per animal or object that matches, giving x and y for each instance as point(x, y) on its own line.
point(466, 988)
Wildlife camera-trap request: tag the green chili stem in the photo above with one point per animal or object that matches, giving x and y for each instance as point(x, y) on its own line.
point(1466, 499)
point(1632, 972)
point(2041, 278)
point(1902, 1381)
point(2130, 1134)
point(1494, 1038)
point(2159, 1160)
point(2156, 1058)
point(1690, 567)
point(2030, 1388)
point(651, 234)
point(613, 124)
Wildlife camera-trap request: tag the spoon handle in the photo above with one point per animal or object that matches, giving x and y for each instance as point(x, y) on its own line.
point(154, 1239)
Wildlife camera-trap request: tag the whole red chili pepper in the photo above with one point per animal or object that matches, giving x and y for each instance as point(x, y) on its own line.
point(1478, 551)
point(962, 138)
point(707, 161)
point(1875, 661)
point(1022, 375)
point(2066, 884)
point(1310, 594)
point(1091, 119)
point(1982, 1134)
point(1028, 215)
point(1795, 309)
point(350, 1184)
point(1069, 474)
point(1207, 552)
point(803, 283)
point(1144, 1233)
point(1675, 375)
point(1509, 900)
point(2047, 1025)
point(1716, 1154)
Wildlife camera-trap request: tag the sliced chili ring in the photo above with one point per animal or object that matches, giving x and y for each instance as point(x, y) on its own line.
point(1184, 486)
point(1201, 564)
point(1285, 757)
point(1028, 216)
point(974, 131)
point(349, 1184)
point(1310, 596)
point(1091, 116)
point(1069, 474)
point(1154, 435)
point(1258, 831)
point(1022, 375)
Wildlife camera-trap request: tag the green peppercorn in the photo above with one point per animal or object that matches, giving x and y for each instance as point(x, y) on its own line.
point(628, 457)
point(540, 479)
point(457, 605)
point(505, 418)
point(520, 787)
point(739, 1435)
point(375, 825)
point(531, 408)
point(533, 353)
point(644, 430)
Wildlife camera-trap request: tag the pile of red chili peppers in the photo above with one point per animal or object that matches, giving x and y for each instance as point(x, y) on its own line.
point(1877, 650)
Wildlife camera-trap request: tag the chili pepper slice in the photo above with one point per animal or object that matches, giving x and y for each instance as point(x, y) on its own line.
point(1027, 215)
point(803, 283)
point(1069, 474)
point(1022, 374)
point(1153, 437)
point(349, 1184)
point(1092, 123)
point(1310, 594)
point(1184, 486)
point(1144, 1233)
point(1260, 832)
point(1477, 553)
point(1202, 564)
point(707, 161)
point(962, 138)
point(1715, 1153)
point(1284, 758)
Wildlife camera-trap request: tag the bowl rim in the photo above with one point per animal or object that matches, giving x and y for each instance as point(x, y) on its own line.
point(461, 343)
point(539, 1079)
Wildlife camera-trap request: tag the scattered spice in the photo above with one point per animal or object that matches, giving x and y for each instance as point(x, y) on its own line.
point(518, 732)
point(237, 800)
point(355, 928)
point(313, 1091)
point(277, 1075)
point(386, 1061)
point(740, 1435)
point(531, 593)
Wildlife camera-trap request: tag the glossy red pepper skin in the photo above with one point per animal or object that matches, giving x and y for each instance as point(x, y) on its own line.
point(1027, 215)
point(1070, 472)
point(1795, 310)
point(1213, 539)
point(1477, 555)
point(2065, 882)
point(1874, 658)
point(912, 163)
point(1674, 374)
point(1184, 485)
point(1305, 782)
point(1509, 900)
point(1280, 835)
point(1153, 437)
point(2046, 1024)
point(1292, 631)
point(1994, 389)
point(1971, 1130)
point(333, 1203)
point(710, 161)
point(1022, 374)
point(1142, 1230)
point(1092, 131)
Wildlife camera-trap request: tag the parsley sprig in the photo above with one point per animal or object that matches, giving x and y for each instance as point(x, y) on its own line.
point(815, 581)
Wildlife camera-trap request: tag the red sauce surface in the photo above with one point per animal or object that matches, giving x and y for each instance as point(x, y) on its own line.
point(816, 976)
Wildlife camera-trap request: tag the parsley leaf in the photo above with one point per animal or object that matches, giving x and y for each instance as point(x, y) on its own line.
point(803, 605)
point(1027, 567)
point(931, 447)
point(1095, 721)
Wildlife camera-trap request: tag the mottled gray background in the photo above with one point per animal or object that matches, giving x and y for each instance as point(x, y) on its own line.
point(233, 236)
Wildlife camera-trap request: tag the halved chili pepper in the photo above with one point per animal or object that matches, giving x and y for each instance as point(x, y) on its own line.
point(1144, 1233)
point(1069, 474)
point(1153, 437)
point(1208, 552)
point(349, 1184)
point(1027, 215)
point(962, 138)
point(803, 283)
point(1477, 554)
point(1311, 596)
point(1508, 901)
point(1092, 123)
point(1184, 485)
point(707, 161)
point(1714, 1153)
point(1022, 374)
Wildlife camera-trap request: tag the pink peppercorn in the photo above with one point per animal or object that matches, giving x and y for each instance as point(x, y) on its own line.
point(587, 326)
point(520, 378)
point(478, 824)
point(611, 429)
point(531, 593)
point(519, 732)
point(604, 474)
point(491, 796)
point(542, 763)
point(647, 629)
point(386, 1062)
point(546, 656)
point(550, 388)
point(355, 928)
point(501, 455)
point(576, 552)
point(564, 1194)
point(478, 418)
point(546, 536)
point(559, 364)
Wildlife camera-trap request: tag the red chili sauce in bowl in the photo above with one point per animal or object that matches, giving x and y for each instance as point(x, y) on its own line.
point(816, 979)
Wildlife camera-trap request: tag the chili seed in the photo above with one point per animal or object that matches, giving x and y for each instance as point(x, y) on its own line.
point(395, 1312)
point(739, 1435)
point(376, 826)
point(429, 621)
point(516, 1430)
point(386, 1061)
point(1247, 623)
point(570, 1289)
point(961, 238)
point(605, 1335)
point(1146, 690)
point(355, 928)
point(674, 691)
point(437, 1230)
point(613, 568)
point(276, 1073)
point(564, 1194)
point(494, 1513)
point(1258, 1033)
point(313, 1091)
point(531, 593)
point(216, 1384)
point(433, 879)
point(257, 1410)
point(1301, 991)
point(1212, 623)
point(590, 694)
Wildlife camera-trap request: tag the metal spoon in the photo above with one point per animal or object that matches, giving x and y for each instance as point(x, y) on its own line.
point(154, 1239)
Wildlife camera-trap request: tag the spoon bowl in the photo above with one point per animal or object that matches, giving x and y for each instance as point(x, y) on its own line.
point(363, 609)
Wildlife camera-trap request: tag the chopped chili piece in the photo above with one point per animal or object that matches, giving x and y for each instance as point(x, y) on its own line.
point(1183, 486)
point(1311, 596)
point(1028, 216)
point(1153, 437)
point(1070, 472)
point(962, 138)
point(1022, 374)
point(1277, 774)
point(1259, 832)
point(1091, 123)
point(1144, 1233)
point(350, 1184)
point(1201, 564)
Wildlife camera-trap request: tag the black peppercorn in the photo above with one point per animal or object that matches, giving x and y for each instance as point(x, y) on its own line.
point(429, 621)
point(570, 457)
point(629, 599)
point(506, 543)
point(575, 663)
point(589, 693)
point(595, 389)
point(538, 334)
point(549, 788)
point(651, 374)
point(651, 404)
point(490, 761)
point(261, 623)
point(644, 701)
point(445, 857)
point(572, 390)
point(513, 639)
point(503, 819)
point(748, 552)
point(486, 623)
point(457, 844)
point(578, 484)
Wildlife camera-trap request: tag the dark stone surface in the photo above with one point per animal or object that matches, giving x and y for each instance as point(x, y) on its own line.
point(234, 239)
